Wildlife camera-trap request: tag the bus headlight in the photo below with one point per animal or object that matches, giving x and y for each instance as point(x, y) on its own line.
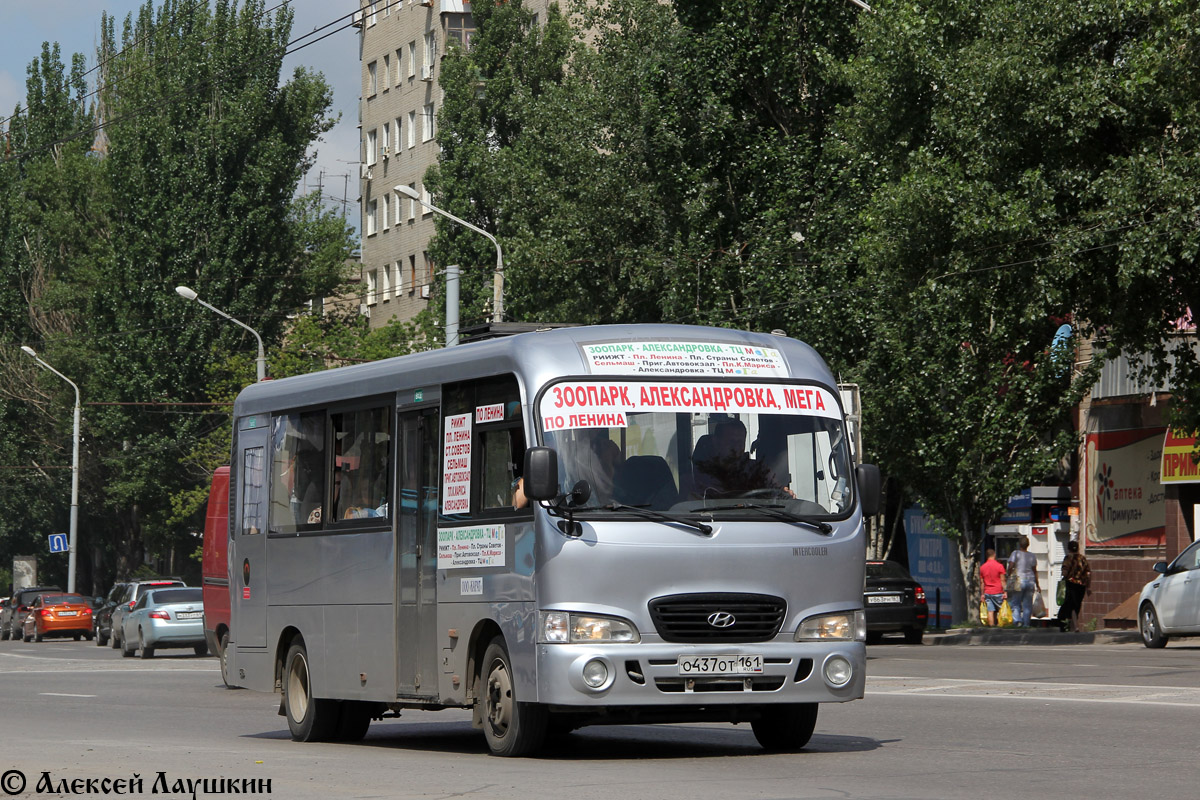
point(562, 627)
point(847, 626)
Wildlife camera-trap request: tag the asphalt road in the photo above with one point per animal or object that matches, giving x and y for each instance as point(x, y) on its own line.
point(1097, 721)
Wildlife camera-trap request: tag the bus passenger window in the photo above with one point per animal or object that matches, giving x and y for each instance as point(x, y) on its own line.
point(297, 471)
point(252, 490)
point(362, 447)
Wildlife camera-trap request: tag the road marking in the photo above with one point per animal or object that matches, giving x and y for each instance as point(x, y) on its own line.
point(1062, 692)
point(63, 694)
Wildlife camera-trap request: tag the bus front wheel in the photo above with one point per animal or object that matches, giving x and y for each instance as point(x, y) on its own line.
point(786, 728)
point(309, 719)
point(512, 727)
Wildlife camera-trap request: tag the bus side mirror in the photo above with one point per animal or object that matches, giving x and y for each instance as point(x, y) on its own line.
point(869, 482)
point(541, 473)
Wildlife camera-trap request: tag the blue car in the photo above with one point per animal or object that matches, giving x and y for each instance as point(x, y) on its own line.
point(165, 618)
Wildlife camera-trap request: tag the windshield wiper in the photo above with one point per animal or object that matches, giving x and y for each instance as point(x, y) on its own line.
point(647, 513)
point(778, 512)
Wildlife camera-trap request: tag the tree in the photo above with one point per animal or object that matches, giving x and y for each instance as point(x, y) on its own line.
point(192, 182)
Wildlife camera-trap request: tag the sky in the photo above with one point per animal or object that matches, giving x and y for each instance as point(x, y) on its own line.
point(75, 25)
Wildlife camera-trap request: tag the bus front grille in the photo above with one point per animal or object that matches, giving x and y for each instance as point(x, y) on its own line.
point(717, 617)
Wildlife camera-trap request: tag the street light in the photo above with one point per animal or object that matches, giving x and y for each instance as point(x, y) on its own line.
point(29, 351)
point(498, 280)
point(261, 361)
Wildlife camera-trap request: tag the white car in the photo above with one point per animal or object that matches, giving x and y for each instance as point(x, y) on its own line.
point(165, 618)
point(1170, 604)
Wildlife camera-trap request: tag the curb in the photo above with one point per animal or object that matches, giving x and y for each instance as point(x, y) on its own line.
point(1030, 636)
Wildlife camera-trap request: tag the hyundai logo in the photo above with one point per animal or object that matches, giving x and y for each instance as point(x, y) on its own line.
point(721, 619)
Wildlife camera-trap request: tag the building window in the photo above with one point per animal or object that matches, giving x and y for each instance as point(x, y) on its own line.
point(387, 72)
point(412, 59)
point(412, 129)
point(426, 198)
point(412, 274)
point(371, 18)
point(372, 79)
point(427, 280)
point(385, 287)
point(427, 120)
point(372, 212)
point(460, 28)
point(399, 63)
point(430, 50)
point(383, 200)
point(412, 205)
point(372, 283)
point(372, 147)
point(398, 144)
point(398, 285)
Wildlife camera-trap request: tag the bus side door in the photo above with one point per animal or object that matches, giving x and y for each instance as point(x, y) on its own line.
point(248, 577)
point(418, 476)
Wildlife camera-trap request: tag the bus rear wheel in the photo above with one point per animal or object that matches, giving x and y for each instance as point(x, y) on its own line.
point(787, 728)
point(222, 650)
point(309, 719)
point(511, 727)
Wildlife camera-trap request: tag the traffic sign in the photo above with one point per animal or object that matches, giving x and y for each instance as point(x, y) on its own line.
point(58, 543)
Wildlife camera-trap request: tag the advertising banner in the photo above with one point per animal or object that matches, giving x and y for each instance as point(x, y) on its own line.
point(1178, 465)
point(1126, 504)
point(931, 556)
point(456, 465)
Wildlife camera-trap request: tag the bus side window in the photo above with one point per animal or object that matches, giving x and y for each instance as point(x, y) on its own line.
point(362, 460)
point(492, 409)
point(297, 471)
point(253, 490)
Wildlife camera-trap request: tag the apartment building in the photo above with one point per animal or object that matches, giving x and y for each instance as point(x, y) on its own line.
point(401, 43)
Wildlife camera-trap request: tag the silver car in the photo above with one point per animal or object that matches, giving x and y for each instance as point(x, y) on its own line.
point(165, 618)
point(1170, 604)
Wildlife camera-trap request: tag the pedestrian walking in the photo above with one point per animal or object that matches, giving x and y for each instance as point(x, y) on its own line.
point(991, 578)
point(1024, 564)
point(1077, 575)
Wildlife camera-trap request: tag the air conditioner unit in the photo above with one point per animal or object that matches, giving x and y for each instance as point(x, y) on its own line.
point(425, 291)
point(365, 172)
point(358, 19)
point(386, 150)
point(364, 309)
point(426, 72)
point(427, 3)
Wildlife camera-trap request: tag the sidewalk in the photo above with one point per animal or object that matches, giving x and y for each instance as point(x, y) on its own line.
point(989, 636)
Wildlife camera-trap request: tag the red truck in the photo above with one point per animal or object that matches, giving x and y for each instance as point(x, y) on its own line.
point(214, 567)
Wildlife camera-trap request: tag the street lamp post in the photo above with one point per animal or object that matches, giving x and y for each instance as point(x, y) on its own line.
point(261, 361)
point(71, 554)
point(498, 279)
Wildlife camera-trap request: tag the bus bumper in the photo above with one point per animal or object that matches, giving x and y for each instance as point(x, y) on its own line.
point(655, 675)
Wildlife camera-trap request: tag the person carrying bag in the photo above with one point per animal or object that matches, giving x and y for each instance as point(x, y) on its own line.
point(1077, 576)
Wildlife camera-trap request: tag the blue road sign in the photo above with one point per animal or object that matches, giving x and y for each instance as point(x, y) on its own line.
point(58, 543)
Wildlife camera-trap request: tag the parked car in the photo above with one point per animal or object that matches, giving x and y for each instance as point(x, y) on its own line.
point(894, 603)
point(102, 616)
point(1170, 604)
point(165, 618)
point(12, 623)
point(133, 592)
point(58, 615)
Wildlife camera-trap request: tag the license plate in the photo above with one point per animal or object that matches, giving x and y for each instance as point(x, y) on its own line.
point(68, 613)
point(720, 665)
point(189, 615)
point(883, 598)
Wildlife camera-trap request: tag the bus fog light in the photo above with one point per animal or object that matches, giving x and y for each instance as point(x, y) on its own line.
point(838, 671)
point(595, 673)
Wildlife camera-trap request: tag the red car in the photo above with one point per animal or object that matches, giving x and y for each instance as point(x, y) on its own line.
point(58, 615)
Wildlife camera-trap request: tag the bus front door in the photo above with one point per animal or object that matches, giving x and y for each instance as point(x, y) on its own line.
point(248, 572)
point(418, 476)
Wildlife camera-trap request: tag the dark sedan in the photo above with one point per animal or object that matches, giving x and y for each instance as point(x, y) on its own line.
point(894, 603)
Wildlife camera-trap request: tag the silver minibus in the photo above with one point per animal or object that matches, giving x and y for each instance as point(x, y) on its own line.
point(569, 527)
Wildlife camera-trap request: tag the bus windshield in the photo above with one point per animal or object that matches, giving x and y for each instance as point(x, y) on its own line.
point(690, 446)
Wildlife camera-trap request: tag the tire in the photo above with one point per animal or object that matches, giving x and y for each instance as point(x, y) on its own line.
point(116, 640)
point(144, 651)
point(785, 728)
point(1152, 635)
point(200, 649)
point(353, 720)
point(101, 639)
point(224, 647)
point(310, 719)
point(37, 637)
point(914, 635)
point(511, 727)
point(125, 652)
point(77, 636)
point(26, 637)
point(4, 634)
